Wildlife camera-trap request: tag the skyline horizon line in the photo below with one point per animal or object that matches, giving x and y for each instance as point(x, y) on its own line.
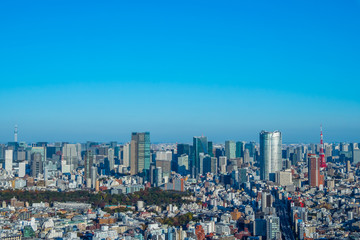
point(16, 132)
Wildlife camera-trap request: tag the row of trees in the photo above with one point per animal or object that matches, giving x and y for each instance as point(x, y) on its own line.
point(150, 196)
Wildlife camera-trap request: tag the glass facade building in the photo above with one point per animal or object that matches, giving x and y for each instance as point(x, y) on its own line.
point(270, 153)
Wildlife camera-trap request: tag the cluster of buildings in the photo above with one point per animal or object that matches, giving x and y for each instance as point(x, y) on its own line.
point(242, 190)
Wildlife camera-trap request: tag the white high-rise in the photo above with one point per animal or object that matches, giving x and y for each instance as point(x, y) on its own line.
point(72, 155)
point(270, 154)
point(8, 160)
point(126, 155)
point(111, 158)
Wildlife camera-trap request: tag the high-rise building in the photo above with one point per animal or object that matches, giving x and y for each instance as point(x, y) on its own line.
point(140, 153)
point(273, 228)
point(230, 149)
point(270, 154)
point(36, 164)
point(9, 160)
point(240, 149)
point(183, 148)
point(111, 158)
point(314, 170)
point(72, 155)
point(210, 149)
point(158, 176)
point(222, 164)
point(42, 152)
point(22, 169)
point(88, 163)
point(214, 166)
point(183, 164)
point(200, 145)
point(126, 155)
point(163, 160)
point(93, 176)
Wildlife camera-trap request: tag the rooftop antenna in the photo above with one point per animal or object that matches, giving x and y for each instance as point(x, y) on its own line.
point(16, 133)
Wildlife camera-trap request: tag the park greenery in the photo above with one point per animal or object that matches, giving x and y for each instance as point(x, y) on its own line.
point(150, 196)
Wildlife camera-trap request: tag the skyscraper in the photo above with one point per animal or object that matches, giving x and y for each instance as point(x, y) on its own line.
point(9, 160)
point(139, 153)
point(240, 149)
point(183, 148)
point(230, 149)
point(270, 153)
point(200, 145)
point(36, 164)
point(72, 155)
point(314, 170)
point(273, 228)
point(126, 155)
point(89, 161)
point(111, 159)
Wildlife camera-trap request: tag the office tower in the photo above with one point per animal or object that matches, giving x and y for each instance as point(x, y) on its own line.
point(321, 153)
point(266, 200)
point(242, 175)
point(260, 228)
point(247, 158)
point(273, 228)
point(22, 169)
point(284, 178)
point(205, 163)
point(222, 164)
point(93, 176)
point(240, 149)
point(72, 155)
point(270, 153)
point(210, 149)
point(355, 154)
point(348, 166)
point(88, 163)
point(183, 164)
point(152, 173)
point(36, 164)
point(163, 160)
point(328, 151)
point(344, 147)
point(214, 166)
point(42, 152)
point(183, 148)
point(9, 160)
point(140, 152)
point(111, 158)
point(200, 145)
point(313, 170)
point(126, 155)
point(251, 147)
point(230, 149)
point(158, 176)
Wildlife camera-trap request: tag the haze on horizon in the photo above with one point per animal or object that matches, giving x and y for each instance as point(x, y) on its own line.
point(89, 70)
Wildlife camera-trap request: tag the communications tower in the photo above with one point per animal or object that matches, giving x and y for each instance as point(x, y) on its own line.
point(321, 154)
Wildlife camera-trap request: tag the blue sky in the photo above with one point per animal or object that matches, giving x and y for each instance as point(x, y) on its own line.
point(98, 70)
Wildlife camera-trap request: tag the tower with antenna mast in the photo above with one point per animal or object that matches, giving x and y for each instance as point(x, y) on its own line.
point(16, 133)
point(321, 154)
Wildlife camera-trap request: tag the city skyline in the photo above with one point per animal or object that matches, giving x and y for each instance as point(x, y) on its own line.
point(187, 141)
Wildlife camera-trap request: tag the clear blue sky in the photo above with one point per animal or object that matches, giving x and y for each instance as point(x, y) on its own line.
point(98, 70)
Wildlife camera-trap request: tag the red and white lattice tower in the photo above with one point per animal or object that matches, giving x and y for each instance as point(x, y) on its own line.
point(321, 154)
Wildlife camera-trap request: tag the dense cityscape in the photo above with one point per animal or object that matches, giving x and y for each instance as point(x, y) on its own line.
point(203, 190)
